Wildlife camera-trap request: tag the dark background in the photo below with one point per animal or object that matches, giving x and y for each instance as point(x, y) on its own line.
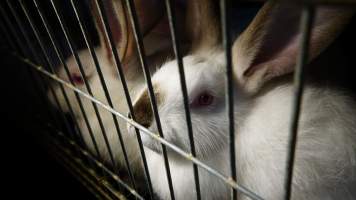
point(30, 172)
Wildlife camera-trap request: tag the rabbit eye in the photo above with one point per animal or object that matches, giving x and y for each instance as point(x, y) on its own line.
point(204, 99)
point(77, 79)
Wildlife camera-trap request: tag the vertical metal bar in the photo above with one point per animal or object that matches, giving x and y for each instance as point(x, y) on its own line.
point(142, 56)
point(306, 28)
point(178, 54)
point(84, 31)
point(225, 23)
point(104, 18)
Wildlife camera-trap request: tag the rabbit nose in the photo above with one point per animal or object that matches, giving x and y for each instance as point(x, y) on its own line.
point(142, 111)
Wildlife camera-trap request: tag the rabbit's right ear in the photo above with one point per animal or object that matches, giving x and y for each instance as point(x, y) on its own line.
point(118, 24)
point(269, 47)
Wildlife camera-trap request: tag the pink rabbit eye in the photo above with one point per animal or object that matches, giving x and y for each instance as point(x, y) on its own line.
point(204, 99)
point(77, 79)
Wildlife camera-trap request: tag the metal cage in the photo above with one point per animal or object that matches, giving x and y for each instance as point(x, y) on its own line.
point(23, 24)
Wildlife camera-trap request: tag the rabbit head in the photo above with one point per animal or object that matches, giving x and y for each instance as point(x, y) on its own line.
point(70, 72)
point(154, 31)
point(198, 14)
point(265, 51)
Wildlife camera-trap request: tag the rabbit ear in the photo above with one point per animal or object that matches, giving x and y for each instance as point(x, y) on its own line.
point(148, 11)
point(118, 24)
point(269, 46)
point(202, 24)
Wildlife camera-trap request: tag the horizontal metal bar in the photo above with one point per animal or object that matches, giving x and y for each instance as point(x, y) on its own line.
point(155, 136)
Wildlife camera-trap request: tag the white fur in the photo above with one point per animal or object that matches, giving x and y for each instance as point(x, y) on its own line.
point(325, 166)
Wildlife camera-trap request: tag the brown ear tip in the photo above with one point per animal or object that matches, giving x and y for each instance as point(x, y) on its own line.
point(248, 73)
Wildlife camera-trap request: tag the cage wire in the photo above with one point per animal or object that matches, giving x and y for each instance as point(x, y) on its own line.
point(35, 41)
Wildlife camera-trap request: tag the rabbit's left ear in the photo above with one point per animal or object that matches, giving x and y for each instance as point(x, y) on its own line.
point(202, 24)
point(269, 47)
point(149, 12)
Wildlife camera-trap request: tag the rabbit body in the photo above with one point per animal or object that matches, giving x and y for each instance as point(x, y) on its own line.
point(325, 164)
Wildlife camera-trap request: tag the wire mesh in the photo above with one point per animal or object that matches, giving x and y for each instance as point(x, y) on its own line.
point(44, 67)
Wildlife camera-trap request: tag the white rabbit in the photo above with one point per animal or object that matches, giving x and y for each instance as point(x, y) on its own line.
point(157, 46)
point(264, 55)
point(117, 95)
